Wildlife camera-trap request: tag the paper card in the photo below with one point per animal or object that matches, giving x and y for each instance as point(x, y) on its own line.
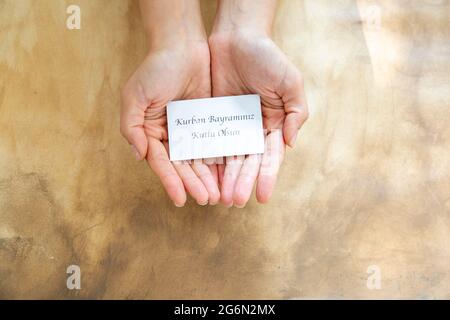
point(215, 127)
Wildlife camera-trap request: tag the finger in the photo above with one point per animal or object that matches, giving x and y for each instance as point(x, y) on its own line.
point(270, 164)
point(158, 160)
point(246, 180)
point(292, 124)
point(214, 160)
point(215, 173)
point(220, 173)
point(192, 183)
point(132, 122)
point(232, 167)
point(204, 173)
point(291, 90)
point(212, 164)
point(219, 170)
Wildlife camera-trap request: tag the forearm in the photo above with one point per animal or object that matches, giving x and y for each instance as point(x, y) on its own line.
point(245, 15)
point(172, 22)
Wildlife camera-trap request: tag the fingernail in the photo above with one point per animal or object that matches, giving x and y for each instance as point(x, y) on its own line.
point(240, 207)
point(293, 139)
point(203, 204)
point(178, 205)
point(136, 153)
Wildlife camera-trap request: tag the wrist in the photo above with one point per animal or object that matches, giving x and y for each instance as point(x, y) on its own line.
point(188, 44)
point(227, 42)
point(235, 30)
point(190, 52)
point(248, 16)
point(179, 37)
point(172, 23)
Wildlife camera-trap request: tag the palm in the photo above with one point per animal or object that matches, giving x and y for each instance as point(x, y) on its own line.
point(165, 76)
point(247, 65)
point(252, 67)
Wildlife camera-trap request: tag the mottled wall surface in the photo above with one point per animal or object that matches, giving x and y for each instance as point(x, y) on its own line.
point(367, 184)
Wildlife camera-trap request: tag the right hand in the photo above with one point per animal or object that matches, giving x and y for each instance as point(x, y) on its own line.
point(175, 73)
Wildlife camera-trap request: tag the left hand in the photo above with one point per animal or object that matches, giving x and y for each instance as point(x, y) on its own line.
point(246, 63)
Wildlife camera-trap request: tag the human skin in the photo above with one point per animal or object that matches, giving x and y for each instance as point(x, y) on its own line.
point(177, 67)
point(244, 60)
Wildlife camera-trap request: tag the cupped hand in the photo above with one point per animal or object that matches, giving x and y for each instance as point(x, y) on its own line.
point(246, 63)
point(180, 72)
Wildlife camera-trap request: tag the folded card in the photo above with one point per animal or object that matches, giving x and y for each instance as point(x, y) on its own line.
point(215, 127)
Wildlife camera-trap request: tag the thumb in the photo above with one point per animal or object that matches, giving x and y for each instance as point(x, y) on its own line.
point(132, 126)
point(295, 106)
point(292, 124)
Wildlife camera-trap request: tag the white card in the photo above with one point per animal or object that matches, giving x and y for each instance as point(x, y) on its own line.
point(215, 127)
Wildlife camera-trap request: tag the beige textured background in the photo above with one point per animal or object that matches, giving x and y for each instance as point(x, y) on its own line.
point(367, 184)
